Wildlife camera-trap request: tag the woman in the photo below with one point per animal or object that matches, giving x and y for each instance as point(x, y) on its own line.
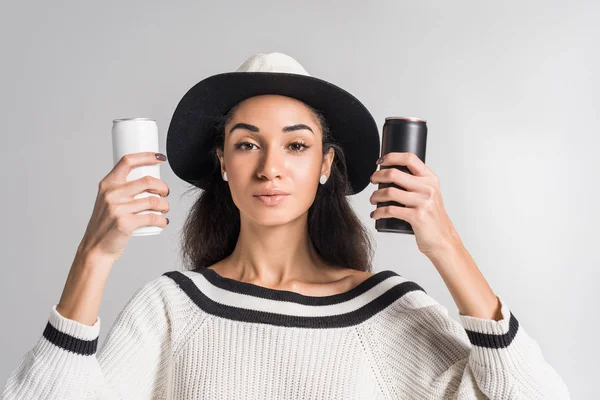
point(280, 300)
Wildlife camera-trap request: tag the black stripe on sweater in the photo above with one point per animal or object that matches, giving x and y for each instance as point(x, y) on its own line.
point(233, 285)
point(492, 341)
point(70, 343)
point(274, 318)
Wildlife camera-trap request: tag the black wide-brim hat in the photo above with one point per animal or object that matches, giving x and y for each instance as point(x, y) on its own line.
point(192, 131)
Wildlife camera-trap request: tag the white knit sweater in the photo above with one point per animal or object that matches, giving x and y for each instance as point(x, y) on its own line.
point(198, 335)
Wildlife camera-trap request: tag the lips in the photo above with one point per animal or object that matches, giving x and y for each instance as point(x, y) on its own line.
point(272, 199)
point(271, 192)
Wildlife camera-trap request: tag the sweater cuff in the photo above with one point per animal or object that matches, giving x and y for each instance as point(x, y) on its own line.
point(494, 341)
point(489, 326)
point(72, 335)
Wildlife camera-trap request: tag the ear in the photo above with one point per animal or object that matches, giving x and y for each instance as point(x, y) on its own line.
point(327, 161)
point(220, 156)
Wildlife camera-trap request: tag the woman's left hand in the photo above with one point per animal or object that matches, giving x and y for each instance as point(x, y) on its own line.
point(424, 209)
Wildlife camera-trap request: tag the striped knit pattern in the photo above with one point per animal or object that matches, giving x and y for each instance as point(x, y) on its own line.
point(198, 335)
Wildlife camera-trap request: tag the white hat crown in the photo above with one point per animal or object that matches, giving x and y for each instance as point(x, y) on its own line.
point(272, 62)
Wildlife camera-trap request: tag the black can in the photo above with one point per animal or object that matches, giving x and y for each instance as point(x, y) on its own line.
point(400, 134)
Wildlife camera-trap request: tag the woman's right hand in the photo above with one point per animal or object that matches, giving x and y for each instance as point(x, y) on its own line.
point(114, 217)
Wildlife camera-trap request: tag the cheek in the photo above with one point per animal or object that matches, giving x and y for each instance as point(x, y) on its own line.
point(304, 173)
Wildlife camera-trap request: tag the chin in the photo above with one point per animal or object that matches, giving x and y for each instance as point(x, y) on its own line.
point(272, 216)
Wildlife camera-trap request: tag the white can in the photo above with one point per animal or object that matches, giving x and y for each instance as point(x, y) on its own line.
point(135, 135)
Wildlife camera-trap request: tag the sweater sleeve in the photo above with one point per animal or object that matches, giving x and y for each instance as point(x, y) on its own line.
point(472, 359)
point(132, 364)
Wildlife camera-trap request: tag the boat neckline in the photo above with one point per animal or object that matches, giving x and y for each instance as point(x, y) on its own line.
point(252, 289)
point(247, 302)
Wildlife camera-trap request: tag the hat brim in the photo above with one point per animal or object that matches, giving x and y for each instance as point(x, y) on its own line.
point(191, 132)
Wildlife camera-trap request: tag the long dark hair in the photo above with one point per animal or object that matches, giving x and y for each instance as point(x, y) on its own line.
point(212, 227)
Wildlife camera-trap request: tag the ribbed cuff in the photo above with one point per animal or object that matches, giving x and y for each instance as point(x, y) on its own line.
point(72, 335)
point(494, 341)
point(488, 326)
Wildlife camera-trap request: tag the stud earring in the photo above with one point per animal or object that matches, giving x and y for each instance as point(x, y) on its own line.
point(323, 179)
point(225, 176)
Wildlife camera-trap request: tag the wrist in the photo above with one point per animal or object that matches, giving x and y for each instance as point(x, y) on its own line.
point(450, 247)
point(84, 287)
point(91, 258)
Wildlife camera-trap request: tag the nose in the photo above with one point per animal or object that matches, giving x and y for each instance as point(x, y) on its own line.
point(272, 163)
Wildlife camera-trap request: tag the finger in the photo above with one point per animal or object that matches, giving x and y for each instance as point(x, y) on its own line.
point(391, 193)
point(416, 166)
point(130, 161)
point(146, 183)
point(153, 203)
point(150, 219)
point(400, 178)
point(403, 213)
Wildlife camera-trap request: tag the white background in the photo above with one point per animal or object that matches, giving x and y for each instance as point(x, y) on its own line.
point(509, 89)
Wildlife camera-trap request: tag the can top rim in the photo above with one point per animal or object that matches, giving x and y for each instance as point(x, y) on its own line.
point(133, 119)
point(407, 118)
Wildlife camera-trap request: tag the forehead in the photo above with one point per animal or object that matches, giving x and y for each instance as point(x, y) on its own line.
point(272, 106)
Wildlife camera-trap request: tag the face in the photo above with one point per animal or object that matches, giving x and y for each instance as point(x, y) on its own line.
point(272, 142)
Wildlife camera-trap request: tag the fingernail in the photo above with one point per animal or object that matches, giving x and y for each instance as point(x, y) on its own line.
point(160, 156)
point(372, 212)
point(167, 221)
point(169, 191)
point(379, 160)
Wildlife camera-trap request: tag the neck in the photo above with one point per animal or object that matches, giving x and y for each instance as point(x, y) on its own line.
point(275, 256)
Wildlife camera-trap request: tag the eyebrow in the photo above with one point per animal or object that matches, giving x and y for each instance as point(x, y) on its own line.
point(253, 128)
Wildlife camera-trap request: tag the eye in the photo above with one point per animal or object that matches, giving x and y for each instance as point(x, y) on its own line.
point(240, 146)
point(297, 147)
point(301, 147)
